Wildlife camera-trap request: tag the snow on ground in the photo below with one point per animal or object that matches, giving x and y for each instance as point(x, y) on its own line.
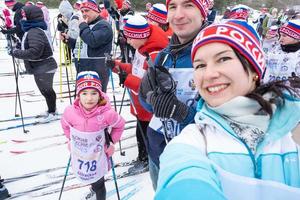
point(54, 152)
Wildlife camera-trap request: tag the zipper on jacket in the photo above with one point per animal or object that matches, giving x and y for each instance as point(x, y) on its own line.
point(252, 156)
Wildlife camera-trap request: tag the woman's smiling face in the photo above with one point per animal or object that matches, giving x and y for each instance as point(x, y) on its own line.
point(219, 74)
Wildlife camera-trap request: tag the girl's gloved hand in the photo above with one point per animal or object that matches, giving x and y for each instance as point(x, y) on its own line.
point(109, 150)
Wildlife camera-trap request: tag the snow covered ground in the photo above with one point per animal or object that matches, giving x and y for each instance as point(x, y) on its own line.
point(45, 144)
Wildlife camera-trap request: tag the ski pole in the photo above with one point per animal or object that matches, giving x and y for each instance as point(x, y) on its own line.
point(66, 55)
point(122, 153)
point(17, 86)
point(107, 140)
point(137, 120)
point(60, 68)
point(65, 177)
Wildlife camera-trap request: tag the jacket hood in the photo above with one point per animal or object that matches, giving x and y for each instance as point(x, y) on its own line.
point(96, 111)
point(157, 41)
point(66, 9)
point(33, 12)
point(17, 6)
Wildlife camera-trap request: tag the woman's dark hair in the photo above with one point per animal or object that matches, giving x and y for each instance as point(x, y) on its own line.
point(277, 88)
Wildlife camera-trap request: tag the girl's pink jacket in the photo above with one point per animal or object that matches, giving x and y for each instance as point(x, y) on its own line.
point(97, 119)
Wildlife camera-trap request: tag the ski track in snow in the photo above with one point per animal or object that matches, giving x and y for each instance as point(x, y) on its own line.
point(55, 155)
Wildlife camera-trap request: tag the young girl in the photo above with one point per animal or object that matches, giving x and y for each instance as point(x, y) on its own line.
point(241, 145)
point(84, 123)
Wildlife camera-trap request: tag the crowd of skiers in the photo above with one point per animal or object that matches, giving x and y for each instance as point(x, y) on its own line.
point(213, 98)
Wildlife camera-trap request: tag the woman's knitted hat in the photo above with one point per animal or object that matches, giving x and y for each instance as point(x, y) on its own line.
point(136, 27)
point(158, 13)
point(203, 6)
point(237, 34)
point(88, 79)
point(291, 28)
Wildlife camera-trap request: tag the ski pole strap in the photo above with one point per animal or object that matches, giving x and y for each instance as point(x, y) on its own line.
point(108, 138)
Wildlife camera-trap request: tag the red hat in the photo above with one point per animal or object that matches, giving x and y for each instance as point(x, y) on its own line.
point(201, 4)
point(158, 13)
point(90, 4)
point(9, 3)
point(88, 79)
point(239, 12)
point(136, 27)
point(239, 35)
point(292, 29)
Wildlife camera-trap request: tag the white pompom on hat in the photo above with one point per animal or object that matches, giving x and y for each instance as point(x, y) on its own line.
point(136, 27)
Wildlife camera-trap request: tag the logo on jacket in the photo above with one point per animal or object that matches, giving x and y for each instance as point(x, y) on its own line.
point(192, 84)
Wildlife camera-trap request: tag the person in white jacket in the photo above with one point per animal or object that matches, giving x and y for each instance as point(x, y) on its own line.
point(241, 145)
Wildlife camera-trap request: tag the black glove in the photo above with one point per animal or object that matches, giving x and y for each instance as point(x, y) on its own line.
point(121, 39)
point(161, 79)
point(167, 105)
point(109, 61)
point(122, 77)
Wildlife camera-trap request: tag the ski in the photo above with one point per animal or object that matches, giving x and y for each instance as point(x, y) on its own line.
point(39, 99)
point(38, 123)
point(26, 124)
point(13, 94)
point(18, 152)
point(31, 174)
point(131, 193)
point(35, 139)
point(58, 93)
point(80, 185)
point(20, 118)
point(37, 188)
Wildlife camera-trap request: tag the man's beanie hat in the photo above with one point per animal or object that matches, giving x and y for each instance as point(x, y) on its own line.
point(203, 6)
point(90, 4)
point(136, 27)
point(158, 13)
point(240, 36)
point(88, 79)
point(291, 28)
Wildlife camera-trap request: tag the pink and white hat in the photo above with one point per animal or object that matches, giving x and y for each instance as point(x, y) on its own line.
point(40, 4)
point(29, 3)
point(136, 27)
point(273, 31)
point(90, 4)
point(158, 13)
point(77, 4)
point(291, 28)
point(88, 79)
point(240, 36)
point(203, 6)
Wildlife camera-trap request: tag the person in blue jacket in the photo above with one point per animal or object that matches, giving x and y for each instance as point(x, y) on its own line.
point(94, 41)
point(242, 145)
point(171, 96)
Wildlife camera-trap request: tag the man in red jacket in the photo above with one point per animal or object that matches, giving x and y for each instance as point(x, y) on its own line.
point(148, 40)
